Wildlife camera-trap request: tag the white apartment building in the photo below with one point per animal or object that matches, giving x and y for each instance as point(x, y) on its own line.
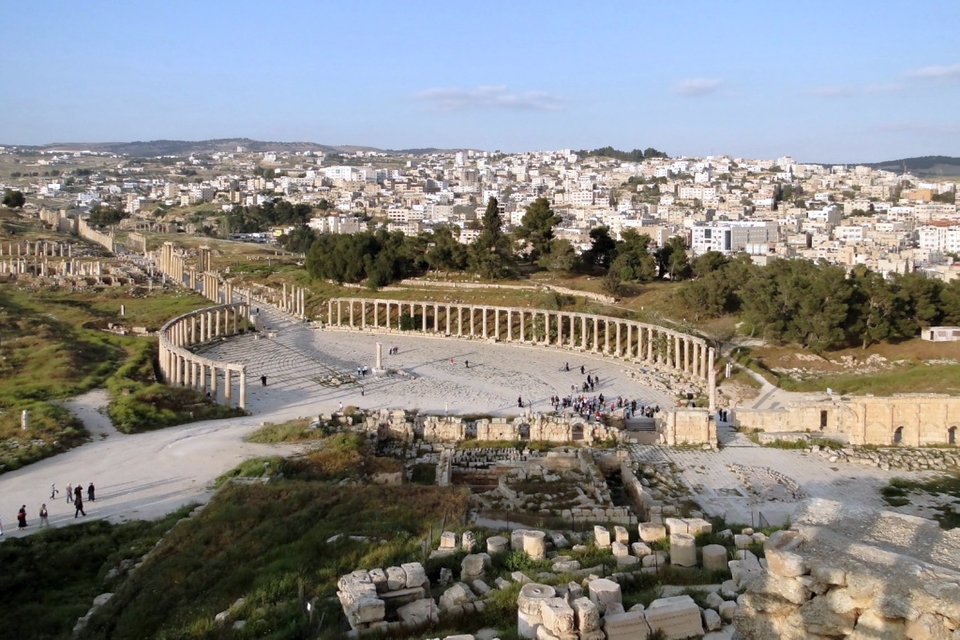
point(940, 239)
point(731, 236)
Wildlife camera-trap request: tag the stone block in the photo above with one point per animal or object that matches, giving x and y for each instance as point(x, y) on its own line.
point(396, 579)
point(676, 617)
point(457, 595)
point(415, 575)
point(468, 541)
point(565, 566)
point(742, 541)
point(683, 550)
point(604, 592)
point(419, 612)
point(627, 562)
point(697, 526)
point(586, 614)
point(480, 587)
point(557, 616)
point(711, 620)
point(448, 540)
point(559, 540)
point(827, 574)
point(651, 532)
point(516, 539)
point(497, 544)
point(783, 540)
point(528, 608)
point(816, 616)
point(676, 525)
point(875, 627)
point(727, 610)
point(379, 579)
point(366, 610)
point(601, 537)
point(785, 563)
point(713, 600)
point(620, 535)
point(619, 549)
point(534, 544)
point(630, 625)
point(641, 549)
point(927, 627)
point(655, 559)
point(473, 566)
point(714, 557)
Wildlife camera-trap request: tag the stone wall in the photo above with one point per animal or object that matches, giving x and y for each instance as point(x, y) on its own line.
point(908, 419)
point(687, 426)
point(852, 573)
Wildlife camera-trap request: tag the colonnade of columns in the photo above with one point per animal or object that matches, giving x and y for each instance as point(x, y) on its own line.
point(38, 248)
point(171, 263)
point(180, 366)
point(41, 266)
point(292, 301)
point(627, 339)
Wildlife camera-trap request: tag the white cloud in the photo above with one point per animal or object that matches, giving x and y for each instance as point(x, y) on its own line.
point(948, 71)
point(489, 96)
point(832, 91)
point(695, 87)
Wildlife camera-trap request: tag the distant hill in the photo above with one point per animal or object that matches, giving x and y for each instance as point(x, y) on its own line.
point(186, 147)
point(924, 166)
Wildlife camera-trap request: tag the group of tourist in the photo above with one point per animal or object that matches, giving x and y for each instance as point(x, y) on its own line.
point(74, 497)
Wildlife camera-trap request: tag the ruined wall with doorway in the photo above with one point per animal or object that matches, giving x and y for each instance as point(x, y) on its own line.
point(914, 420)
point(686, 426)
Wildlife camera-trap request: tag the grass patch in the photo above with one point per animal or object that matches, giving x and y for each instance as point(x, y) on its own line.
point(292, 431)
point(273, 545)
point(919, 378)
point(53, 345)
point(823, 443)
point(262, 467)
point(50, 578)
point(897, 494)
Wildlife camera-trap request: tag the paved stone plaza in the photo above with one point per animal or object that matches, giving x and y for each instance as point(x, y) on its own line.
point(303, 365)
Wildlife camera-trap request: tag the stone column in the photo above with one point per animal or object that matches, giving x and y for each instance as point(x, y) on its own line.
point(650, 338)
point(329, 311)
point(523, 327)
point(213, 383)
point(243, 388)
point(227, 386)
point(711, 382)
point(459, 321)
point(596, 333)
point(376, 314)
point(472, 313)
point(351, 313)
point(483, 317)
point(606, 335)
point(379, 366)
point(423, 307)
point(447, 319)
point(363, 314)
point(619, 352)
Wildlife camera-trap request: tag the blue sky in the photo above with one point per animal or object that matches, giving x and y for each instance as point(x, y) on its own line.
point(839, 81)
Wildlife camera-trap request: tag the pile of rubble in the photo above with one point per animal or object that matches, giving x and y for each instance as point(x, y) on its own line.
point(906, 458)
point(852, 573)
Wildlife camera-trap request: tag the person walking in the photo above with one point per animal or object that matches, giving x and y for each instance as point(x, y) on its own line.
point(22, 518)
point(78, 503)
point(583, 369)
point(78, 492)
point(53, 491)
point(90, 492)
point(263, 381)
point(520, 401)
point(44, 522)
point(69, 493)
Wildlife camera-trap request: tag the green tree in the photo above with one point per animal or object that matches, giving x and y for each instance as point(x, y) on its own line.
point(562, 256)
point(13, 199)
point(445, 253)
point(602, 249)
point(492, 252)
point(634, 262)
point(536, 228)
point(105, 216)
point(672, 259)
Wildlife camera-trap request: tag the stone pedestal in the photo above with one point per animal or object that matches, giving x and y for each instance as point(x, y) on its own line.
point(497, 544)
point(533, 545)
point(528, 608)
point(714, 557)
point(683, 550)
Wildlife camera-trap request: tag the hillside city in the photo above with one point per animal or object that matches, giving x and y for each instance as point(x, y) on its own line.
point(768, 208)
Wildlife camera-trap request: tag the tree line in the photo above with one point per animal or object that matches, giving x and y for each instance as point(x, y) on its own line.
point(818, 305)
